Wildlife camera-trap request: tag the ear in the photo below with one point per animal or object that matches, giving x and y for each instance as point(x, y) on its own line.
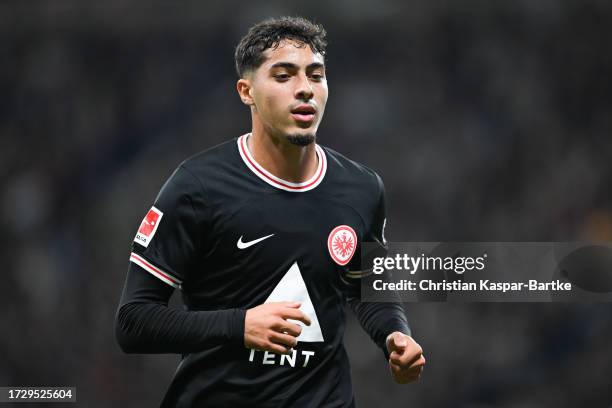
point(243, 86)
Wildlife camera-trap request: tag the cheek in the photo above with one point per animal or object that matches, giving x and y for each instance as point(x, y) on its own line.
point(264, 99)
point(275, 104)
point(322, 95)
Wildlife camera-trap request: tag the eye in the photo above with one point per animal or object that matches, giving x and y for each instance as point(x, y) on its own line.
point(281, 77)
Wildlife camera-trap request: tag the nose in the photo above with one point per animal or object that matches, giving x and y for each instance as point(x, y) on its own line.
point(303, 89)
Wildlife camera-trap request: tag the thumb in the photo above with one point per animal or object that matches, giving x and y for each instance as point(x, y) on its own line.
point(396, 341)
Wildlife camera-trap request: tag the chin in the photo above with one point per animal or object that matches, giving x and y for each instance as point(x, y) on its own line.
point(301, 139)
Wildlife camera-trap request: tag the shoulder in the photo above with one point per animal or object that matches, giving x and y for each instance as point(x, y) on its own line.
point(211, 157)
point(214, 165)
point(188, 179)
point(353, 173)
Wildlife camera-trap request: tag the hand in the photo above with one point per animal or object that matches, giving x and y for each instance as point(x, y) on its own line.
point(266, 326)
point(406, 359)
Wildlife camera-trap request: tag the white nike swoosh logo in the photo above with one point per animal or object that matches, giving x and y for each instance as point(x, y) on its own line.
point(243, 245)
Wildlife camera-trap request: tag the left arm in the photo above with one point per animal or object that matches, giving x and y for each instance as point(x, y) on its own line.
point(385, 322)
point(380, 319)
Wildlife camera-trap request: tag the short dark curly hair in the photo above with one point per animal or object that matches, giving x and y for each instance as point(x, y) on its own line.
point(249, 54)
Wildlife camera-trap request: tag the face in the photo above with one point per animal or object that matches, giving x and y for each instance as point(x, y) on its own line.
point(288, 92)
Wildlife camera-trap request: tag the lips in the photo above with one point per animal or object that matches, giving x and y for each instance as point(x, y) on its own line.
point(303, 113)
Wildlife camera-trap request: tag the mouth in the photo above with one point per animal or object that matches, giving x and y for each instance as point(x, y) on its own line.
point(303, 113)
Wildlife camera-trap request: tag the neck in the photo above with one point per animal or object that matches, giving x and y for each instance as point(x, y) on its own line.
point(281, 158)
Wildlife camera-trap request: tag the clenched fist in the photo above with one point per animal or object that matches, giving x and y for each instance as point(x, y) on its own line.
point(406, 359)
point(266, 327)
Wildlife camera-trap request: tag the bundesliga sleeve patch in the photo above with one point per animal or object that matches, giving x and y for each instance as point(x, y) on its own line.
point(341, 243)
point(148, 227)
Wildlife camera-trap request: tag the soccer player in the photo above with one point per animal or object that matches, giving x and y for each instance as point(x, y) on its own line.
point(260, 234)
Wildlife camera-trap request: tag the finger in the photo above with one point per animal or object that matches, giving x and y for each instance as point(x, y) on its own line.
point(283, 326)
point(396, 367)
point(295, 314)
point(406, 361)
point(409, 358)
point(418, 363)
point(416, 367)
point(395, 358)
point(405, 357)
point(410, 353)
point(283, 339)
point(294, 305)
point(404, 376)
point(398, 374)
point(277, 348)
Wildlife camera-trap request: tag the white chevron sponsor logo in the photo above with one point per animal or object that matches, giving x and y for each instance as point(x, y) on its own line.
point(292, 288)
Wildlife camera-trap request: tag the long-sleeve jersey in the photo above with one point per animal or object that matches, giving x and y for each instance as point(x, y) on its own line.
point(230, 236)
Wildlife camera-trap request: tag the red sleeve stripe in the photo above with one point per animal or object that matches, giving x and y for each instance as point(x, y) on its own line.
point(155, 271)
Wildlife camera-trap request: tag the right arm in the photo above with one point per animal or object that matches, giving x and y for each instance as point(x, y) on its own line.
point(163, 253)
point(145, 324)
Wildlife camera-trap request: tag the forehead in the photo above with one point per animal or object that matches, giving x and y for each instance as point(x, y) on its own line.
point(293, 52)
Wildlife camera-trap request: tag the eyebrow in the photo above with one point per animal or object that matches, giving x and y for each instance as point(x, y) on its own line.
point(290, 65)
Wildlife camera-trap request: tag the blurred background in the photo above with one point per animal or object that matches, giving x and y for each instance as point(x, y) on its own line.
point(487, 121)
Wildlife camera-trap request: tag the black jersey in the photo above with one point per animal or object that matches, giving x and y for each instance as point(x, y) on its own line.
point(231, 236)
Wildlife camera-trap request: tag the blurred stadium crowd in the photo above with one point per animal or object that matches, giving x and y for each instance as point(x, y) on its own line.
point(487, 121)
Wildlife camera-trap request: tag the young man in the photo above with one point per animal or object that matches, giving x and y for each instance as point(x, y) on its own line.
point(261, 234)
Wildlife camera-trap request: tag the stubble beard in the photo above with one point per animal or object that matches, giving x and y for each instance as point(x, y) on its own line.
point(301, 139)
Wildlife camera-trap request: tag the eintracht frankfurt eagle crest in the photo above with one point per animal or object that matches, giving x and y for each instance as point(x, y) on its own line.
point(342, 242)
